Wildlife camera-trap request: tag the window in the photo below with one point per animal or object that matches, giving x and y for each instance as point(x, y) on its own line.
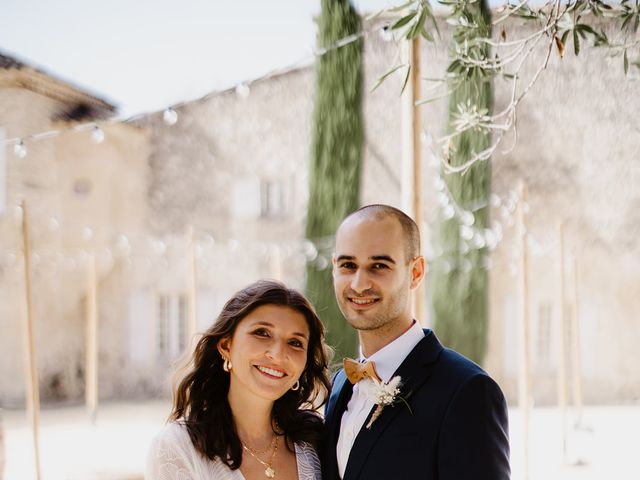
point(272, 198)
point(172, 317)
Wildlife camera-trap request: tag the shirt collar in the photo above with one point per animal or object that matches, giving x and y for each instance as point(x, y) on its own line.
point(389, 357)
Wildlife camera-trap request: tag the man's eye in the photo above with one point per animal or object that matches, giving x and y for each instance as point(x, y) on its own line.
point(348, 265)
point(379, 266)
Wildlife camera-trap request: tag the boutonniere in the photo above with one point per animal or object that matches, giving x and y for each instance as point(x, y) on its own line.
point(387, 394)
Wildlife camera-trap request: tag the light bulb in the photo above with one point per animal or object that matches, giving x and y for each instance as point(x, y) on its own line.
point(170, 116)
point(87, 233)
point(467, 218)
point(466, 232)
point(448, 212)
point(243, 90)
point(20, 149)
point(97, 134)
point(386, 34)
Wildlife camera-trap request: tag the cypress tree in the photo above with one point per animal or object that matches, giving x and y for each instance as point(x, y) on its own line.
point(336, 152)
point(460, 280)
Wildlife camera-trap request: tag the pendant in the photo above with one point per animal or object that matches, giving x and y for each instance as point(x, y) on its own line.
point(270, 472)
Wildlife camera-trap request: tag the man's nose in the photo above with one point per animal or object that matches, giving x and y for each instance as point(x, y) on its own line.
point(360, 281)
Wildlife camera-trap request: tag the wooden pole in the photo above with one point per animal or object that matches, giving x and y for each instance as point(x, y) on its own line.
point(562, 336)
point(91, 389)
point(575, 344)
point(524, 364)
point(192, 324)
point(419, 297)
point(31, 364)
point(411, 155)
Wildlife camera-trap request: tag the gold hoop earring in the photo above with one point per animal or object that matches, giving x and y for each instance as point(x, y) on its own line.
point(226, 366)
point(296, 386)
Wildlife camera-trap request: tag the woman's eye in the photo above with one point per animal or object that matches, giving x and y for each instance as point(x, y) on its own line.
point(261, 332)
point(296, 344)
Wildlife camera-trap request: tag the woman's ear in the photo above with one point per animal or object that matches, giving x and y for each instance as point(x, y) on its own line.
point(223, 347)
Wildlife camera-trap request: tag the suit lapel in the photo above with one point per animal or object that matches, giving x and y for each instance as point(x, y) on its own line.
point(341, 391)
point(414, 371)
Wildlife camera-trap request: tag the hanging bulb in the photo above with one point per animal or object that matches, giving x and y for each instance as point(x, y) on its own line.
point(439, 184)
point(448, 212)
point(386, 34)
point(495, 200)
point(466, 232)
point(170, 116)
point(443, 199)
point(53, 224)
point(20, 149)
point(467, 218)
point(243, 90)
point(97, 134)
point(87, 233)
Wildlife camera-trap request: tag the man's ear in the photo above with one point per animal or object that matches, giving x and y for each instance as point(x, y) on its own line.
point(417, 271)
point(334, 264)
point(223, 347)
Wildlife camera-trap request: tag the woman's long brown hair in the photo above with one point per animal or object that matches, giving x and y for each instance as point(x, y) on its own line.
point(200, 400)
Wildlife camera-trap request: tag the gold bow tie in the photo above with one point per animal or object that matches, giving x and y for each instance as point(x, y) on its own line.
point(356, 371)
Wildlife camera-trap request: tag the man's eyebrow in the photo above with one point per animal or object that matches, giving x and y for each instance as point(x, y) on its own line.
point(345, 257)
point(386, 258)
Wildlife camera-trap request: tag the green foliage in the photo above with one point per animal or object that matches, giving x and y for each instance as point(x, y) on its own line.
point(336, 152)
point(460, 282)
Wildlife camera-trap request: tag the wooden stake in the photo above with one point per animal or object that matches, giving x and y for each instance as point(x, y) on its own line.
point(562, 336)
point(91, 388)
point(412, 156)
point(524, 364)
point(575, 344)
point(31, 363)
point(192, 325)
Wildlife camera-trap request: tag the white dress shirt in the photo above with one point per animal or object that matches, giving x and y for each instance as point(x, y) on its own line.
point(387, 361)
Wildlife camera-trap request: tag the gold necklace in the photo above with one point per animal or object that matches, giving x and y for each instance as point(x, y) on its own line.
point(268, 471)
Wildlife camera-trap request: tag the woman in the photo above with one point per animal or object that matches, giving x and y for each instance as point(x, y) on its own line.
point(246, 409)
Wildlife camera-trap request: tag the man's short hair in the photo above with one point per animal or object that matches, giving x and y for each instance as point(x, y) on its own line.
point(410, 230)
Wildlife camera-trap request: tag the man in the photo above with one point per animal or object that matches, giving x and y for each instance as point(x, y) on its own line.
point(448, 419)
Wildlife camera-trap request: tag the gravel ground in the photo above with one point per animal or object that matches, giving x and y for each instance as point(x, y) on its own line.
point(604, 446)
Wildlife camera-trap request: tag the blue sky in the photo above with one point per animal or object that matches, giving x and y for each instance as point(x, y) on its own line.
point(143, 55)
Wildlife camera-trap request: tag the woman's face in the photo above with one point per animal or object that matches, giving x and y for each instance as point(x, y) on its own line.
point(268, 351)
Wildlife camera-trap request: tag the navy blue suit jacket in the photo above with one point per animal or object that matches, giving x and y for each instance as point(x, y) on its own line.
point(457, 428)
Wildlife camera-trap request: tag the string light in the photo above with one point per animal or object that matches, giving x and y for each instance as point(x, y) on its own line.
point(97, 134)
point(20, 149)
point(243, 90)
point(386, 34)
point(170, 116)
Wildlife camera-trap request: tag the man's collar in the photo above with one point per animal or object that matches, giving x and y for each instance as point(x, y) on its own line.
point(389, 357)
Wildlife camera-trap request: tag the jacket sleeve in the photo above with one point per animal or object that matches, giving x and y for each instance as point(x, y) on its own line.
point(474, 441)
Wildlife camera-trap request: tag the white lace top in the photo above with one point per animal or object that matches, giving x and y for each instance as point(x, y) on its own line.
point(172, 456)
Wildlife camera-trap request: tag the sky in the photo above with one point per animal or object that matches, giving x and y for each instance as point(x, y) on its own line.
point(144, 55)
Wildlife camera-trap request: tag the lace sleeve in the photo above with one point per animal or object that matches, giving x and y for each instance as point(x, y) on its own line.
point(169, 457)
point(308, 462)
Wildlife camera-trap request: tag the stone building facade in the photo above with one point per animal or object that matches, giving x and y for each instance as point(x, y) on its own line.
point(234, 167)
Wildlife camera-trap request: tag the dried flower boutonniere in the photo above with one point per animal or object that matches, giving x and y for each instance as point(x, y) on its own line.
point(387, 394)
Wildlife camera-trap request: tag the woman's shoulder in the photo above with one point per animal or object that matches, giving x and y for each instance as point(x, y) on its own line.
point(175, 431)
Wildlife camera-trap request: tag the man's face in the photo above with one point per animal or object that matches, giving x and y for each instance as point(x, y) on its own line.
point(371, 275)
